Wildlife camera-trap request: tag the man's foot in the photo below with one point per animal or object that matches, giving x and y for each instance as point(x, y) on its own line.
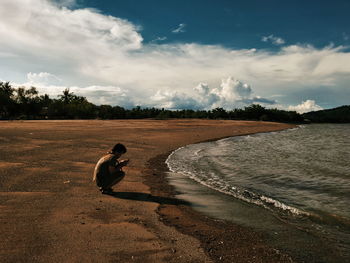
point(106, 190)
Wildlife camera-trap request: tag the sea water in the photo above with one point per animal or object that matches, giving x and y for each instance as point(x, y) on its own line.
point(293, 184)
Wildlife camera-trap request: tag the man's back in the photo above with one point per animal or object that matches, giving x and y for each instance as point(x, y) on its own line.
point(102, 167)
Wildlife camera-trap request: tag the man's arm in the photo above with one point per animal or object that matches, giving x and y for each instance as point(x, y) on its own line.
point(118, 166)
point(122, 163)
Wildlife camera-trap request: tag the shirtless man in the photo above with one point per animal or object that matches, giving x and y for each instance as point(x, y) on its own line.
point(108, 170)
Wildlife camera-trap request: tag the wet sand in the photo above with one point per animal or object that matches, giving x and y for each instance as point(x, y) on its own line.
point(52, 212)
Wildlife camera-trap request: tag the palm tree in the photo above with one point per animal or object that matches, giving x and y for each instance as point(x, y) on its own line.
point(67, 96)
point(6, 89)
point(7, 103)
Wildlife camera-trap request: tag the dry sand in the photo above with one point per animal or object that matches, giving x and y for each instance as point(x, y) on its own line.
point(50, 210)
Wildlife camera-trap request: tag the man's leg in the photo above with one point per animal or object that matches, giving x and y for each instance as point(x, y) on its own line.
point(116, 178)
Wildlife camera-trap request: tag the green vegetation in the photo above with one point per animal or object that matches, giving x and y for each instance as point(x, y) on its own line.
point(22, 103)
point(336, 115)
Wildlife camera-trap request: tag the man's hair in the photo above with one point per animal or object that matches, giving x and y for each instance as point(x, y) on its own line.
point(119, 148)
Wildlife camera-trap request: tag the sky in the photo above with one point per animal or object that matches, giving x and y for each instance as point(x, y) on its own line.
point(198, 54)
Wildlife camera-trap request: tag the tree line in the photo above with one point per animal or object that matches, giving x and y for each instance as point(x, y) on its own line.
point(336, 115)
point(26, 103)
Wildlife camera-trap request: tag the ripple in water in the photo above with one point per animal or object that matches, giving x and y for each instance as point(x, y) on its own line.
point(300, 174)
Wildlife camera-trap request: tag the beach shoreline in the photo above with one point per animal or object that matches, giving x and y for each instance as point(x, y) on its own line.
point(51, 207)
point(222, 240)
point(208, 210)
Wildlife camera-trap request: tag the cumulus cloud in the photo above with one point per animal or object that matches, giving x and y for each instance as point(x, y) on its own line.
point(179, 29)
point(86, 48)
point(305, 106)
point(273, 39)
point(232, 93)
point(173, 100)
point(43, 26)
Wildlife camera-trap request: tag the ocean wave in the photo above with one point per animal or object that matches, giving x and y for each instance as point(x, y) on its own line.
point(300, 175)
point(213, 182)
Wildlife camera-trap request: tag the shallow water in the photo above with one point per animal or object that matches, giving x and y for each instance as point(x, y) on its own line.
point(300, 177)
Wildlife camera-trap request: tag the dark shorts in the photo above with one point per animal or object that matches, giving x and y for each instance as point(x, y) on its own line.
point(106, 181)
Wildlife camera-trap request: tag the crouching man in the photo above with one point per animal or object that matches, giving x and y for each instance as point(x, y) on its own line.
point(108, 171)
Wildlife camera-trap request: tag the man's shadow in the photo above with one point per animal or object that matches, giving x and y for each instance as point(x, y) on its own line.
point(149, 198)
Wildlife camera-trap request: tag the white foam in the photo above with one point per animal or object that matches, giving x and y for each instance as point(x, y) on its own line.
point(218, 184)
point(283, 206)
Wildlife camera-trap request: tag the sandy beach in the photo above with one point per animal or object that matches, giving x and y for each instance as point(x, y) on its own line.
point(51, 211)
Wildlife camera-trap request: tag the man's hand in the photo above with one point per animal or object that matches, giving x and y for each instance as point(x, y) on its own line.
point(123, 162)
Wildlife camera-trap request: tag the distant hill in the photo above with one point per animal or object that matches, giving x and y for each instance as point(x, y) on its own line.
point(336, 115)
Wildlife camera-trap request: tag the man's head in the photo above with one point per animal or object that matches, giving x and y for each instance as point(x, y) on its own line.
point(118, 149)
